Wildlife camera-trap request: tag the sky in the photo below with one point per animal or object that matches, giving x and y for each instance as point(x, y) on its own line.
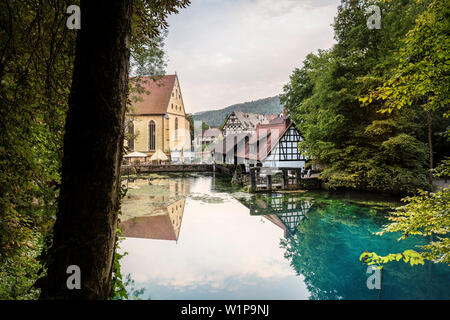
point(232, 51)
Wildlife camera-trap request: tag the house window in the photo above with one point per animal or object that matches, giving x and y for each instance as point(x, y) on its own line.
point(131, 136)
point(151, 135)
point(176, 129)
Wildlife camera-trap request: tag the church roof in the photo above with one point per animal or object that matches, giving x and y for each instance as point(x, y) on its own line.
point(157, 101)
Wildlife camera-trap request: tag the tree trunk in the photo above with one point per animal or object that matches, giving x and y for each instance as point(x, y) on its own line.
point(430, 145)
point(85, 228)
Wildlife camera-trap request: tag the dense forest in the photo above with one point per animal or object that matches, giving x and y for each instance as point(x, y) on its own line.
point(215, 118)
point(357, 145)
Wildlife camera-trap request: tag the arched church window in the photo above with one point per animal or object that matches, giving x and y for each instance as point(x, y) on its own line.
point(151, 135)
point(176, 128)
point(131, 136)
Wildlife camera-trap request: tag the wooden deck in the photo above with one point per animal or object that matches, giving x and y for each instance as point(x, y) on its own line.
point(167, 168)
point(291, 180)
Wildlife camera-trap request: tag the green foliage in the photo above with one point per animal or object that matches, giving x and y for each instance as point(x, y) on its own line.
point(359, 147)
point(191, 125)
point(118, 284)
point(35, 76)
point(19, 272)
point(223, 122)
point(149, 59)
point(411, 256)
point(422, 74)
point(443, 169)
point(204, 126)
point(214, 118)
point(118, 287)
point(427, 215)
point(421, 77)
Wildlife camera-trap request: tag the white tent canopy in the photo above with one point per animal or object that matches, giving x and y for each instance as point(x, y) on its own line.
point(159, 155)
point(136, 155)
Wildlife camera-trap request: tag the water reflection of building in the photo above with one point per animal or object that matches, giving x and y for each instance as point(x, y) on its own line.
point(179, 187)
point(165, 225)
point(286, 212)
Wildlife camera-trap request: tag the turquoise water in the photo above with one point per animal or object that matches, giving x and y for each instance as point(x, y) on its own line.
point(196, 237)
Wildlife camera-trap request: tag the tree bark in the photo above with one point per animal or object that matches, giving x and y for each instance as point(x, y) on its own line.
point(85, 228)
point(430, 146)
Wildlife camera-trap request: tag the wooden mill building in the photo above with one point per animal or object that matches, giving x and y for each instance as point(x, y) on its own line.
point(270, 145)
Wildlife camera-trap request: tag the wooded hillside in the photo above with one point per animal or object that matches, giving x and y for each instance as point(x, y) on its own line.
point(214, 118)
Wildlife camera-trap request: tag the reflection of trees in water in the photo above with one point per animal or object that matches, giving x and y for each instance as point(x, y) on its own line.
point(326, 249)
point(132, 292)
point(313, 252)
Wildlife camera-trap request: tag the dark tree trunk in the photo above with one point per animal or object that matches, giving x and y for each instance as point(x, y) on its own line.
point(85, 228)
point(430, 146)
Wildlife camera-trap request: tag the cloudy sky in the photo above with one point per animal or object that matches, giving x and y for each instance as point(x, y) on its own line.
point(232, 51)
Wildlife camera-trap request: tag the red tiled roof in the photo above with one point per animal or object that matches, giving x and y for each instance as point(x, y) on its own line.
point(157, 101)
point(274, 132)
point(278, 120)
point(152, 227)
point(276, 221)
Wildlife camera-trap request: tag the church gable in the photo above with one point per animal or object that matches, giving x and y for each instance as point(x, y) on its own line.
point(176, 105)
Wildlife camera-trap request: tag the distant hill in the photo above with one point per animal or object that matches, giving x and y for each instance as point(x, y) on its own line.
point(262, 106)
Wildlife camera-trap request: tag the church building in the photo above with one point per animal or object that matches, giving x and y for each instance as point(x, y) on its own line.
point(157, 119)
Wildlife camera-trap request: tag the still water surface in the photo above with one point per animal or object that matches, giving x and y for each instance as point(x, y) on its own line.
point(197, 237)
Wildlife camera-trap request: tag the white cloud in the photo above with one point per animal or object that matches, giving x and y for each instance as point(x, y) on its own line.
point(228, 52)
